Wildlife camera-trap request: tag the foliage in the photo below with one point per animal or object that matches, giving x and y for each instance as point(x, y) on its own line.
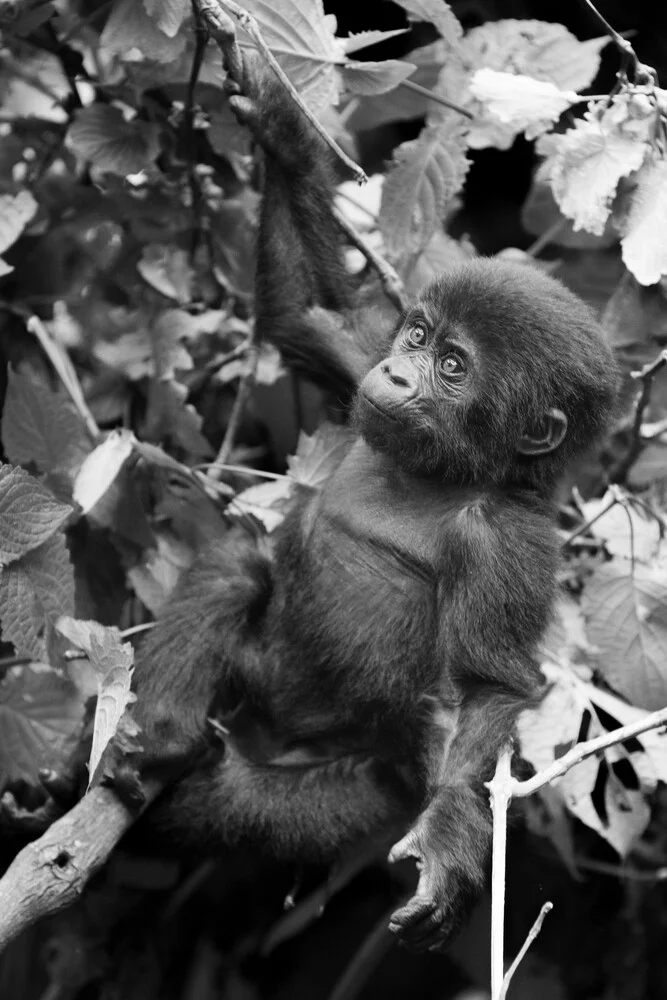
point(127, 219)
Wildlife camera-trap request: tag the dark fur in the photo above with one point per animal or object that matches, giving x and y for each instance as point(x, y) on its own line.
point(372, 669)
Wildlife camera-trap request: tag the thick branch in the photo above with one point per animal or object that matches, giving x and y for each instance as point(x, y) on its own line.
point(53, 871)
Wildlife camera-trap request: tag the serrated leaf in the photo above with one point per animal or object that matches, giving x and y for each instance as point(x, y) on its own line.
point(168, 15)
point(370, 78)
point(40, 713)
point(626, 616)
point(51, 577)
point(435, 12)
point(645, 241)
point(21, 616)
point(112, 660)
point(318, 455)
point(29, 513)
point(16, 211)
point(131, 33)
point(426, 175)
point(302, 39)
point(42, 426)
point(527, 104)
point(100, 135)
point(268, 502)
point(585, 164)
point(363, 39)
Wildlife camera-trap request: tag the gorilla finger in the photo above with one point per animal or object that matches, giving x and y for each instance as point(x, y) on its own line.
point(408, 847)
point(425, 933)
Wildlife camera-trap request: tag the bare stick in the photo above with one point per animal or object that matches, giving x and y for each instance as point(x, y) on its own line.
point(391, 282)
point(245, 387)
point(532, 934)
point(53, 871)
point(219, 28)
point(65, 369)
point(500, 789)
point(520, 789)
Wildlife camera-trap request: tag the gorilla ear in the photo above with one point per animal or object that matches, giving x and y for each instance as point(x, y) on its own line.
point(547, 436)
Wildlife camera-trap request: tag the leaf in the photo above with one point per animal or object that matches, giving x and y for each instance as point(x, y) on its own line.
point(51, 577)
point(302, 39)
point(21, 617)
point(40, 714)
point(404, 104)
point(168, 15)
point(101, 468)
point(363, 39)
point(169, 416)
point(268, 502)
point(29, 513)
point(585, 164)
point(528, 105)
point(645, 231)
point(370, 78)
point(570, 709)
point(167, 269)
point(16, 211)
point(650, 467)
point(42, 426)
point(131, 32)
point(319, 455)
point(100, 135)
point(539, 49)
point(626, 615)
point(167, 331)
point(112, 661)
point(156, 576)
point(435, 12)
point(34, 592)
point(426, 175)
point(627, 530)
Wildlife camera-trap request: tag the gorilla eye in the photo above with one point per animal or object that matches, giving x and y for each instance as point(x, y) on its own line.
point(417, 335)
point(451, 364)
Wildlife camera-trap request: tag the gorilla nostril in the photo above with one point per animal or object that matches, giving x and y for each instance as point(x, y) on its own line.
point(393, 376)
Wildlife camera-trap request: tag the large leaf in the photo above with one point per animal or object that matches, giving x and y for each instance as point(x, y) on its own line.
point(435, 12)
point(100, 135)
point(112, 660)
point(29, 513)
point(645, 241)
point(135, 30)
point(426, 175)
point(626, 613)
point(40, 712)
point(302, 38)
point(42, 426)
point(403, 104)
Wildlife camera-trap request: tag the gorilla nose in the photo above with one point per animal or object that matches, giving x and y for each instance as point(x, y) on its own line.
point(400, 373)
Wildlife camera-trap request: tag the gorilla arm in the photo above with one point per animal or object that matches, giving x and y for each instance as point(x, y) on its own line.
point(492, 618)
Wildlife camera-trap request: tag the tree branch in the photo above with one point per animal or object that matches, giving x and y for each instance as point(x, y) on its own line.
point(52, 872)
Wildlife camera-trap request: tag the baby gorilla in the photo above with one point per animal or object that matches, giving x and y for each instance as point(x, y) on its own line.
point(371, 669)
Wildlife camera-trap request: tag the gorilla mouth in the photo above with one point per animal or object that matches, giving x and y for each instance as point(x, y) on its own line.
point(384, 413)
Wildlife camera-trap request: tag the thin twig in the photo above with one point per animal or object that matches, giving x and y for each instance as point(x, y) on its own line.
point(532, 934)
point(432, 96)
point(642, 72)
point(620, 872)
point(65, 369)
point(500, 789)
point(521, 789)
point(589, 524)
point(391, 282)
point(244, 390)
point(547, 237)
point(646, 376)
point(220, 27)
